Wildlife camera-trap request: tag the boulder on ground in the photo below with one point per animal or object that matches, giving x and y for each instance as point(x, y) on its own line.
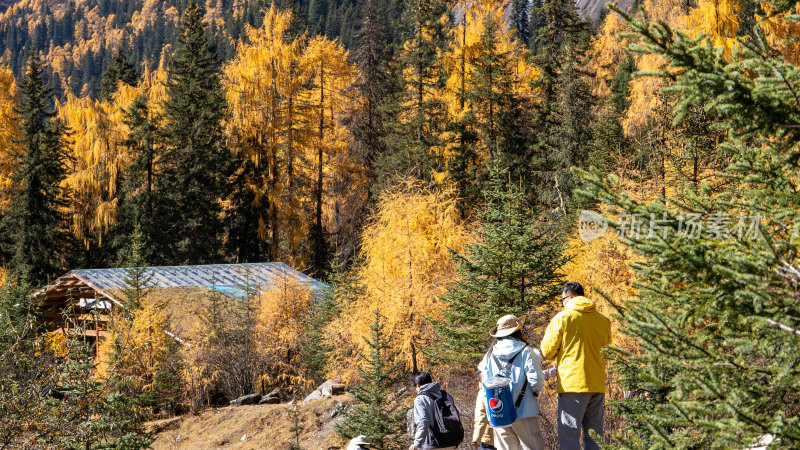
point(272, 398)
point(269, 401)
point(326, 389)
point(250, 399)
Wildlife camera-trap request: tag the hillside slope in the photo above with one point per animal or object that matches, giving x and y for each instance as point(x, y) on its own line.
point(78, 38)
point(255, 427)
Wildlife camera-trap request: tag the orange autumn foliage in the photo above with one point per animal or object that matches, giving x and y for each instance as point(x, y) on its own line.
point(281, 310)
point(782, 32)
point(9, 135)
point(407, 267)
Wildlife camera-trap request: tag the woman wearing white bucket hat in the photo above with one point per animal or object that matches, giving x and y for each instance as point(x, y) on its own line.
point(525, 364)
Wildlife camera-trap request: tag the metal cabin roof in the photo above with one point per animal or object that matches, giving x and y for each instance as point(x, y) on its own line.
point(229, 279)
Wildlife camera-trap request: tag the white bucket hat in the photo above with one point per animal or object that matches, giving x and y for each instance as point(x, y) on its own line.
point(357, 442)
point(507, 325)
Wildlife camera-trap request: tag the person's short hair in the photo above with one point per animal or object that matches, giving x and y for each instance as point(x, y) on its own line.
point(422, 378)
point(573, 287)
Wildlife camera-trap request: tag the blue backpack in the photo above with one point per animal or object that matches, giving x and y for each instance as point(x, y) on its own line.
point(500, 406)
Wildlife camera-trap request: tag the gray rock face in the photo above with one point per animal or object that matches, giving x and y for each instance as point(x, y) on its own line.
point(591, 9)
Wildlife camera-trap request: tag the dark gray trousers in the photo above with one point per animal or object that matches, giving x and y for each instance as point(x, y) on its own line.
point(579, 412)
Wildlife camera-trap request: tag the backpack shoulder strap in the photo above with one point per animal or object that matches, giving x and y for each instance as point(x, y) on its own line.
point(429, 395)
point(504, 367)
point(524, 391)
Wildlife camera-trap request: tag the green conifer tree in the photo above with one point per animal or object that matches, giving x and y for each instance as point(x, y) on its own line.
point(418, 131)
point(717, 306)
point(343, 288)
point(317, 13)
point(138, 204)
point(562, 116)
point(23, 403)
point(120, 70)
point(378, 84)
point(377, 413)
point(511, 268)
point(521, 19)
point(93, 416)
point(35, 224)
point(138, 280)
point(195, 163)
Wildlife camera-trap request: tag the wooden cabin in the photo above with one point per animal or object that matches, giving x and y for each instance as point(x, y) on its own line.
point(83, 302)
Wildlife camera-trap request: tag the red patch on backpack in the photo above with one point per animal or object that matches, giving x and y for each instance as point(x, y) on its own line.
point(492, 402)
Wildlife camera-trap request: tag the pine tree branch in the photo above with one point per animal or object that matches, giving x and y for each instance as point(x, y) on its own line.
point(783, 327)
point(691, 344)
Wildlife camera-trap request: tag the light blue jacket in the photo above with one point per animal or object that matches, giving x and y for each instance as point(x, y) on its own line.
point(527, 364)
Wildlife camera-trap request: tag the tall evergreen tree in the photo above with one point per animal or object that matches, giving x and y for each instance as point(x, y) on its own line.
point(378, 413)
point(416, 132)
point(242, 219)
point(138, 205)
point(717, 306)
point(195, 162)
point(609, 137)
point(35, 224)
point(562, 115)
point(317, 13)
point(121, 70)
point(378, 82)
point(511, 268)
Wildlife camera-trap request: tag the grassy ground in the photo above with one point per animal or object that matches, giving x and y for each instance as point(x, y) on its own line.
point(267, 427)
point(270, 426)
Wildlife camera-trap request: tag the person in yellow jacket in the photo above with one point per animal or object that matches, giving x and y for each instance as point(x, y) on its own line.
point(575, 338)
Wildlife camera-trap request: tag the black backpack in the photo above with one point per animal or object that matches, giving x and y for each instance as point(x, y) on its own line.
point(446, 428)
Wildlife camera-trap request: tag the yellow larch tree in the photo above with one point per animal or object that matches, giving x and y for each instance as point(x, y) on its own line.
point(644, 96)
point(288, 98)
point(782, 31)
point(99, 159)
point(480, 18)
point(153, 86)
point(281, 310)
point(406, 268)
point(466, 34)
point(607, 51)
point(423, 110)
point(328, 94)
point(138, 349)
point(261, 86)
point(9, 135)
point(717, 19)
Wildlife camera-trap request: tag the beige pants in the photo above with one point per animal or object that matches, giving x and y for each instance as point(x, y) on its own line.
point(523, 434)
